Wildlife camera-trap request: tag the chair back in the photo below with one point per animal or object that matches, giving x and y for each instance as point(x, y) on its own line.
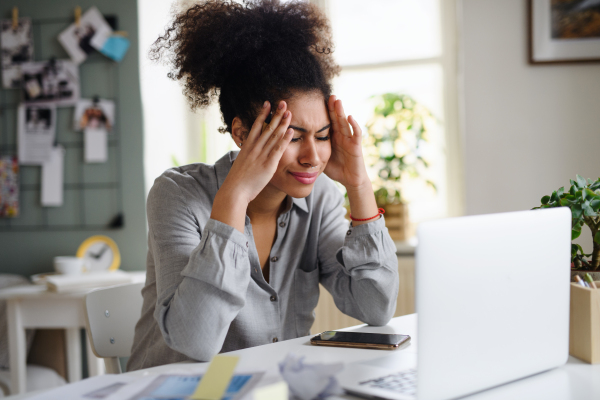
point(110, 318)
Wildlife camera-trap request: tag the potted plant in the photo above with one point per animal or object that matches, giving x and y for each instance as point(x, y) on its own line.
point(583, 198)
point(393, 151)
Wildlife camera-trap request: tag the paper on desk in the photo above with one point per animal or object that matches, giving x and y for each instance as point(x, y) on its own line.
point(275, 391)
point(216, 379)
point(309, 381)
point(96, 145)
point(53, 177)
point(180, 386)
point(99, 387)
point(88, 280)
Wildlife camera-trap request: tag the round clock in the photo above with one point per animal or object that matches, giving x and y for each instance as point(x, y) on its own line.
point(100, 253)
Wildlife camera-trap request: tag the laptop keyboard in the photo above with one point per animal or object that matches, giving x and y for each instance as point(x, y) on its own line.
point(400, 382)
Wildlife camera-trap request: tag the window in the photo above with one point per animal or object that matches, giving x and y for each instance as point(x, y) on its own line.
point(405, 47)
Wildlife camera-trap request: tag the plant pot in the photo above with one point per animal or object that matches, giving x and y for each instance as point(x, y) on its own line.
point(595, 274)
point(396, 220)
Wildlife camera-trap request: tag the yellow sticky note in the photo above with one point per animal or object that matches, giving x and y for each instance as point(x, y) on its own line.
point(214, 383)
point(276, 391)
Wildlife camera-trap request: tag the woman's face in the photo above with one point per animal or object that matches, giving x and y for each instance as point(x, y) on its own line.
point(307, 154)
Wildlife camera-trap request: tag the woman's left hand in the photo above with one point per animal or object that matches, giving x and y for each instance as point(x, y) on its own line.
point(346, 164)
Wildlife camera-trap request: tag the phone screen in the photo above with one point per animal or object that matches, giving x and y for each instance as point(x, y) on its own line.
point(362, 337)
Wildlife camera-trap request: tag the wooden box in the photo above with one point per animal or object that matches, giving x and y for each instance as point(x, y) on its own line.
point(584, 325)
point(396, 220)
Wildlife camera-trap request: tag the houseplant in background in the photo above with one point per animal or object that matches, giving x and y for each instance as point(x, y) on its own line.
point(397, 132)
point(583, 198)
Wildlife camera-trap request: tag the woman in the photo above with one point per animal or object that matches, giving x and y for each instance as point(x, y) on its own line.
point(237, 249)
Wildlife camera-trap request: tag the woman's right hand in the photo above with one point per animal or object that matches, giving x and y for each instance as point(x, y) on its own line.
point(254, 166)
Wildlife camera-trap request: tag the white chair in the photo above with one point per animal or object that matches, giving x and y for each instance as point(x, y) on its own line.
point(110, 318)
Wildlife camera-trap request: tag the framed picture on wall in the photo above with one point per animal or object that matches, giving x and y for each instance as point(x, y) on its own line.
point(564, 31)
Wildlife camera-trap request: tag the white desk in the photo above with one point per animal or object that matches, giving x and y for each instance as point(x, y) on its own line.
point(574, 381)
point(35, 307)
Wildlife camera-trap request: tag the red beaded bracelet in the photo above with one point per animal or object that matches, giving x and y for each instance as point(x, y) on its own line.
point(381, 211)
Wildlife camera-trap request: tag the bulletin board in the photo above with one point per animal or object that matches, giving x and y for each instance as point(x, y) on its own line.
point(93, 193)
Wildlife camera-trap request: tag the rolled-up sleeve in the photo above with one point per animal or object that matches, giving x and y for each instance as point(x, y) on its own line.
point(201, 276)
point(359, 266)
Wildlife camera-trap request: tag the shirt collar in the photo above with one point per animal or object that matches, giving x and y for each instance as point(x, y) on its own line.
point(223, 166)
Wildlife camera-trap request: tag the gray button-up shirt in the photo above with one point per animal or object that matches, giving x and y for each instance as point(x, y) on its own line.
point(205, 292)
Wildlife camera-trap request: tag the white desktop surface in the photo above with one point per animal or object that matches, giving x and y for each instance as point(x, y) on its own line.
point(574, 380)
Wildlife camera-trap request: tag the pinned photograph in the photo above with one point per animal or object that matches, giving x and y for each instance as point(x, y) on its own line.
point(85, 35)
point(9, 187)
point(51, 81)
point(16, 44)
point(94, 113)
point(36, 132)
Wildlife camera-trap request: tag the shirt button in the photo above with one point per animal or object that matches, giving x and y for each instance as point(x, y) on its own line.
point(274, 259)
point(282, 224)
point(246, 244)
point(349, 232)
point(275, 340)
point(273, 298)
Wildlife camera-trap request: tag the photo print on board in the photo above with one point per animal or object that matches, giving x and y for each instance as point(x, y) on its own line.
point(9, 187)
point(16, 46)
point(94, 113)
point(36, 132)
point(91, 34)
point(51, 81)
point(95, 117)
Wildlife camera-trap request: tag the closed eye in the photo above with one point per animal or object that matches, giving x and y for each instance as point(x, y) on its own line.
point(322, 139)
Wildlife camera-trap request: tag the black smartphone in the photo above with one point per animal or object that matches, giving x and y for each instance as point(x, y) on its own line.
point(365, 340)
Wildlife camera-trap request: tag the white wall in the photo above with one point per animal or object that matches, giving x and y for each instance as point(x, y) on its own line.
point(527, 129)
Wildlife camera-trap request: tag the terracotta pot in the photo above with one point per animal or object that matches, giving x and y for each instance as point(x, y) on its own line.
point(595, 274)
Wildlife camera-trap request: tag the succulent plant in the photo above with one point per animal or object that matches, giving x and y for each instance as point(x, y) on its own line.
point(583, 198)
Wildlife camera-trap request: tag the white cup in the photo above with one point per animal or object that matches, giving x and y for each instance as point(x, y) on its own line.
point(68, 265)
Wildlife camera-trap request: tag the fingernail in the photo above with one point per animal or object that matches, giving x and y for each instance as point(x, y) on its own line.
point(286, 114)
point(289, 131)
point(265, 104)
point(281, 104)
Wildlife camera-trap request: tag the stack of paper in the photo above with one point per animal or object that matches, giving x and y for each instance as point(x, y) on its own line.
point(90, 280)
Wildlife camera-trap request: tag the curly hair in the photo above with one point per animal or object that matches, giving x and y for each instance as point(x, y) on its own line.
point(247, 53)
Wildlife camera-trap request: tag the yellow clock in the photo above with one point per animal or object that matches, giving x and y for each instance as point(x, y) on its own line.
point(100, 253)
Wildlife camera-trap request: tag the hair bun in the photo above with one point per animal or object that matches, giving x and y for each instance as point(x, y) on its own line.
point(216, 45)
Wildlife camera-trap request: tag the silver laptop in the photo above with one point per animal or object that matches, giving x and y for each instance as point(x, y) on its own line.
point(492, 297)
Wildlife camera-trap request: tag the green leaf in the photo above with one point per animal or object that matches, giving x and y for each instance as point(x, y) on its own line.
point(589, 181)
point(589, 193)
point(588, 211)
point(575, 234)
point(561, 191)
point(573, 249)
point(596, 238)
point(572, 182)
point(576, 212)
point(553, 197)
point(545, 199)
point(595, 204)
point(572, 189)
point(571, 197)
point(581, 183)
